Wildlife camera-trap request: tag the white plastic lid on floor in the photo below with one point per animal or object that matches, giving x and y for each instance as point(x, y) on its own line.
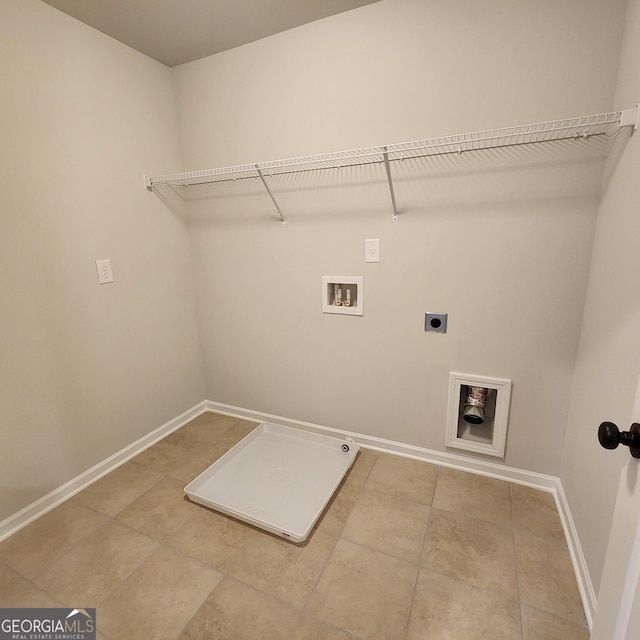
point(279, 479)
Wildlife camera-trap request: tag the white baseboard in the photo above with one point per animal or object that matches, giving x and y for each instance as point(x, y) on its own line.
point(443, 459)
point(31, 512)
point(585, 585)
point(551, 484)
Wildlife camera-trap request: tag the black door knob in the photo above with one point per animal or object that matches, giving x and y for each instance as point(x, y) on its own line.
point(610, 437)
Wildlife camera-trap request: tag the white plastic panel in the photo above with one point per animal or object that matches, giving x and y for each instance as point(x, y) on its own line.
point(277, 478)
point(490, 437)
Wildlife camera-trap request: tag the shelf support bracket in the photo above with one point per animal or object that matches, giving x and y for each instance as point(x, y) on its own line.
point(631, 118)
point(387, 167)
point(266, 186)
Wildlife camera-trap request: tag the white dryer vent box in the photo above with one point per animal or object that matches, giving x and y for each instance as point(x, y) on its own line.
point(279, 479)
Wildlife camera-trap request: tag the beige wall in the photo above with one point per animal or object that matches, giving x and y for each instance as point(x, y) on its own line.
point(86, 369)
point(500, 241)
point(608, 361)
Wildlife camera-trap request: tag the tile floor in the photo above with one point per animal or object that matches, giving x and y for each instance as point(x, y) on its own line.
point(405, 551)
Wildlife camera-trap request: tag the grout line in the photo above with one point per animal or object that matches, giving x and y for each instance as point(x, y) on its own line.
point(345, 632)
point(49, 564)
point(513, 542)
point(515, 559)
point(421, 555)
point(496, 595)
point(386, 554)
point(338, 536)
point(204, 600)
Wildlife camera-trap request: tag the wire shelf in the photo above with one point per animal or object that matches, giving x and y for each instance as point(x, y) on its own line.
point(574, 128)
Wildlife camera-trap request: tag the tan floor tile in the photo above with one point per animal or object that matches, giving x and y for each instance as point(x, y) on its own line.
point(310, 628)
point(472, 495)
point(167, 454)
point(546, 579)
point(358, 587)
point(285, 570)
point(213, 432)
point(96, 566)
point(361, 468)
point(535, 511)
point(197, 462)
point(161, 511)
point(338, 510)
point(236, 611)
point(119, 489)
point(403, 478)
point(364, 592)
point(236, 432)
point(389, 524)
point(212, 538)
point(37, 546)
point(15, 591)
point(447, 609)
point(185, 438)
point(209, 427)
point(158, 599)
point(476, 552)
point(539, 625)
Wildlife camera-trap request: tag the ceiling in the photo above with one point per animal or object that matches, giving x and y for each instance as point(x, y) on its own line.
point(178, 31)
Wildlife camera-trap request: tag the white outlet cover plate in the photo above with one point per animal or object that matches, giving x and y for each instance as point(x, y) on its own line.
point(105, 275)
point(372, 250)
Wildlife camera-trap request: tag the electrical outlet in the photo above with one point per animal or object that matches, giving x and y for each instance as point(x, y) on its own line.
point(372, 250)
point(436, 322)
point(105, 275)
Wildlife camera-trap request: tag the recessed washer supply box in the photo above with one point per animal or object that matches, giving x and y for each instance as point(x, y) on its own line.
point(343, 294)
point(279, 479)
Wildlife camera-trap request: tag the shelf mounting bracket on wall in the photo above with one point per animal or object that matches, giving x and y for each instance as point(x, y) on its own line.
point(385, 156)
point(630, 117)
point(275, 203)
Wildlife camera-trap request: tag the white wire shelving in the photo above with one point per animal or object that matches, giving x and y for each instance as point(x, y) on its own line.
point(574, 128)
